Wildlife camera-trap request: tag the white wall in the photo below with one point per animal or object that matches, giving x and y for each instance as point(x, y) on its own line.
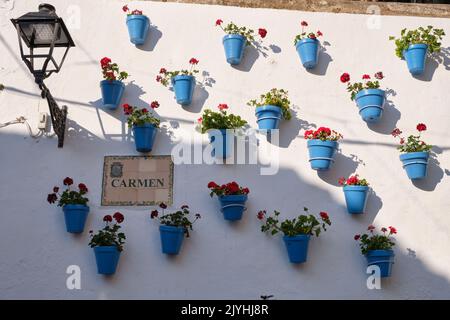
point(221, 260)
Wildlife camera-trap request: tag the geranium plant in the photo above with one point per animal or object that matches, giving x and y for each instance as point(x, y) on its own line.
point(69, 196)
point(110, 235)
point(139, 117)
point(352, 181)
point(306, 224)
point(219, 120)
point(134, 12)
point(422, 35)
point(306, 35)
point(413, 143)
point(111, 70)
point(165, 76)
point(374, 241)
point(247, 33)
point(275, 97)
point(178, 218)
point(367, 83)
point(231, 188)
point(323, 134)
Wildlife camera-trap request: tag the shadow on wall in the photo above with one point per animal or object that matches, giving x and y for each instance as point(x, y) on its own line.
point(323, 61)
point(290, 129)
point(251, 54)
point(152, 39)
point(434, 172)
point(432, 63)
point(343, 166)
point(200, 93)
point(390, 117)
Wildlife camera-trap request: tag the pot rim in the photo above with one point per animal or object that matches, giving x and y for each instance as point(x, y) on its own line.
point(234, 197)
point(326, 143)
point(356, 188)
point(173, 229)
point(380, 253)
point(414, 155)
point(298, 237)
point(233, 36)
point(364, 92)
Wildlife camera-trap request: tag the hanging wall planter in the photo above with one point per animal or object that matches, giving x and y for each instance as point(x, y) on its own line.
point(377, 248)
point(221, 128)
point(369, 98)
point(232, 199)
point(73, 203)
point(415, 153)
point(112, 87)
point(307, 46)
point(236, 39)
point(271, 108)
point(182, 81)
point(173, 228)
point(356, 193)
point(322, 146)
point(297, 231)
point(415, 45)
point(137, 24)
point(144, 125)
point(108, 244)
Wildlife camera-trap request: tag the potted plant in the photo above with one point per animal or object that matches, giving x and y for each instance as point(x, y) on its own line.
point(73, 203)
point(271, 108)
point(112, 85)
point(297, 231)
point(173, 227)
point(108, 244)
point(232, 198)
point(236, 39)
point(182, 81)
point(415, 153)
point(307, 46)
point(356, 192)
point(414, 45)
point(220, 127)
point(377, 248)
point(322, 146)
point(144, 125)
point(369, 98)
point(138, 25)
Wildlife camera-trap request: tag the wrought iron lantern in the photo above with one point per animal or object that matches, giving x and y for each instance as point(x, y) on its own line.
point(45, 35)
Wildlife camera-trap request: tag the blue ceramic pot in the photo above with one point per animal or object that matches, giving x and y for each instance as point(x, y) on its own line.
point(356, 198)
point(107, 258)
point(112, 92)
point(415, 57)
point(370, 103)
point(144, 137)
point(233, 206)
point(222, 141)
point(297, 247)
point(268, 117)
point(75, 216)
point(384, 259)
point(184, 89)
point(415, 164)
point(171, 239)
point(321, 153)
point(138, 26)
point(234, 45)
point(308, 50)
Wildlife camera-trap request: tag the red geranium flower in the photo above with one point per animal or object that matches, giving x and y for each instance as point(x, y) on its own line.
point(107, 218)
point(245, 191)
point(104, 62)
point(356, 237)
point(68, 181)
point(261, 214)
point(163, 71)
point(136, 12)
point(154, 104)
point(162, 205)
point(402, 141)
point(421, 127)
point(55, 189)
point(158, 78)
point(262, 32)
point(219, 22)
point(341, 180)
point(345, 77)
point(125, 8)
point(304, 24)
point(319, 33)
point(144, 110)
point(52, 197)
point(233, 187)
point(324, 215)
point(199, 120)
point(212, 184)
point(307, 133)
point(365, 76)
point(392, 230)
point(222, 106)
point(396, 132)
point(184, 206)
point(82, 187)
point(312, 36)
point(154, 214)
point(383, 229)
point(119, 217)
point(379, 75)
point(370, 227)
point(193, 61)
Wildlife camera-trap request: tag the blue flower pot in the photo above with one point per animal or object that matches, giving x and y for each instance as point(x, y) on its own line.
point(112, 92)
point(138, 26)
point(384, 259)
point(171, 239)
point(144, 137)
point(75, 216)
point(222, 141)
point(184, 89)
point(234, 45)
point(415, 57)
point(321, 153)
point(356, 198)
point(297, 247)
point(308, 50)
point(370, 103)
point(268, 117)
point(233, 206)
point(415, 164)
point(107, 258)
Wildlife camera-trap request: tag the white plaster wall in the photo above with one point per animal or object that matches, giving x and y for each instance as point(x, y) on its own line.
point(221, 260)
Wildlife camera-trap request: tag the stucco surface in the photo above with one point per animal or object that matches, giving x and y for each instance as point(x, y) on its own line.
point(222, 260)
